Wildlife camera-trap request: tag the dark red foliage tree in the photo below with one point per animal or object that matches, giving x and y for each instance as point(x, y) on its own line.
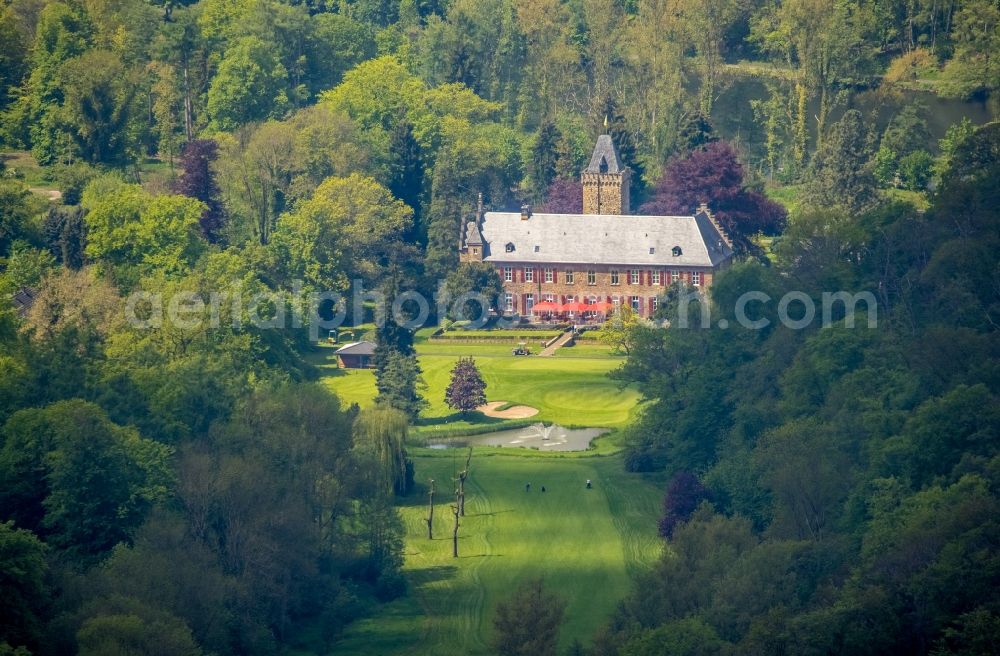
point(198, 181)
point(714, 175)
point(467, 390)
point(565, 196)
point(684, 496)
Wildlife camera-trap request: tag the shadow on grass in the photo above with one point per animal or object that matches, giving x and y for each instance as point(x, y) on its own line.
point(332, 371)
point(454, 425)
point(428, 575)
point(456, 417)
point(490, 514)
point(460, 556)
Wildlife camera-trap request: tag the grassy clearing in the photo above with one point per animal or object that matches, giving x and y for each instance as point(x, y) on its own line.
point(585, 543)
point(790, 196)
point(22, 164)
point(155, 175)
point(573, 391)
point(917, 198)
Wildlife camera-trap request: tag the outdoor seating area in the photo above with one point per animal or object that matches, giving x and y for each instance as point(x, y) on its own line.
point(577, 312)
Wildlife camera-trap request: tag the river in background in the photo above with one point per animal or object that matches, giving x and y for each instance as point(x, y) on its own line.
point(733, 116)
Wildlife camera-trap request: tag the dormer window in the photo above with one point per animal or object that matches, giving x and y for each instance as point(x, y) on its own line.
point(537, 248)
point(509, 247)
point(676, 250)
point(652, 251)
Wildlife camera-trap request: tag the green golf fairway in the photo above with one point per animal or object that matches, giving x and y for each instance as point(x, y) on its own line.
point(584, 543)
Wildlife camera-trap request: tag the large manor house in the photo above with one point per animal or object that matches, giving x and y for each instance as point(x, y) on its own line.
point(603, 257)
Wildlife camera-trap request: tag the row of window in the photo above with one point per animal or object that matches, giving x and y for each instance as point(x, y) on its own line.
point(529, 301)
point(634, 276)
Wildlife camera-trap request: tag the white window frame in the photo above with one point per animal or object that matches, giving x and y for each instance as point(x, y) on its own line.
point(508, 274)
point(508, 302)
point(636, 302)
point(529, 274)
point(616, 301)
point(675, 276)
point(529, 302)
point(591, 277)
point(615, 277)
point(549, 298)
point(696, 278)
point(550, 274)
point(635, 277)
point(568, 276)
point(656, 277)
point(654, 303)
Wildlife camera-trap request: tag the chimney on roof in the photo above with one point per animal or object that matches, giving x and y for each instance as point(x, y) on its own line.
point(525, 212)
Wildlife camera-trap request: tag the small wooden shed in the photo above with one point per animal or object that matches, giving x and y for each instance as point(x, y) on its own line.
point(356, 355)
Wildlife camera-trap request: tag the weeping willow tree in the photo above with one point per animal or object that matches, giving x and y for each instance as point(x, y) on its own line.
point(380, 436)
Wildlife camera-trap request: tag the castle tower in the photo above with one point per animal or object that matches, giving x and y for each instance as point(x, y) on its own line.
point(606, 181)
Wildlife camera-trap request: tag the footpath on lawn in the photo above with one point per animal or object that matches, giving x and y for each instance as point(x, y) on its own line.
point(586, 544)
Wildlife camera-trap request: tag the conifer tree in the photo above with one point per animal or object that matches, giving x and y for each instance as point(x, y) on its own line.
point(544, 158)
point(695, 132)
point(529, 621)
point(397, 384)
point(443, 221)
point(406, 170)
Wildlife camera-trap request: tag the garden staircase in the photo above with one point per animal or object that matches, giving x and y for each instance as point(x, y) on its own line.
point(557, 343)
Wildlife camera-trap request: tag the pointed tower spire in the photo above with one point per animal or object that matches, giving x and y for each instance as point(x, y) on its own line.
point(606, 180)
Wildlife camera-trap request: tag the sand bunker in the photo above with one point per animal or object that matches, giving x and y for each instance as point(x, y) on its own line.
point(514, 412)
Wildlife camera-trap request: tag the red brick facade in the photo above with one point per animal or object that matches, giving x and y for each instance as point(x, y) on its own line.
point(636, 287)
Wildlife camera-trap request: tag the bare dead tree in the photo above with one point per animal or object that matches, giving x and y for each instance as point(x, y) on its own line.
point(454, 533)
point(430, 514)
point(462, 476)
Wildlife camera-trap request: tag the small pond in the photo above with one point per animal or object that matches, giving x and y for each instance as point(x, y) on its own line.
point(537, 436)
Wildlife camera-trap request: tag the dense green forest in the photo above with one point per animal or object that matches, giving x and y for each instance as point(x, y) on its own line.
point(192, 489)
point(833, 490)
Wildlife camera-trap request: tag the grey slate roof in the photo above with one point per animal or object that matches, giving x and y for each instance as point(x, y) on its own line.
point(605, 152)
point(24, 298)
point(356, 348)
point(472, 235)
point(604, 239)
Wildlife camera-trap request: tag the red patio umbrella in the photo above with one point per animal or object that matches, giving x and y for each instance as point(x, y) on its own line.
point(546, 306)
point(576, 307)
